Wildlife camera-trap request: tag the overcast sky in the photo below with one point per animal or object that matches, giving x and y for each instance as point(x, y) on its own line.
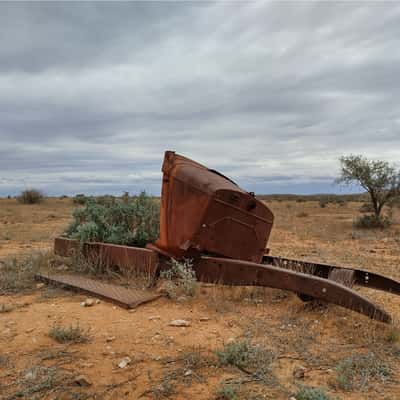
point(270, 94)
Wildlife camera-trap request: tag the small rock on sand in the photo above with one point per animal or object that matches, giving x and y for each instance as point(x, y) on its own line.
point(87, 303)
point(82, 380)
point(124, 362)
point(299, 372)
point(179, 322)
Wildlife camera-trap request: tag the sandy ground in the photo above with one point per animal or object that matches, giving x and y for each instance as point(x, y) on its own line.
point(180, 362)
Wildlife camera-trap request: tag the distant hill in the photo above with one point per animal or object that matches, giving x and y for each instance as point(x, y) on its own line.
point(361, 197)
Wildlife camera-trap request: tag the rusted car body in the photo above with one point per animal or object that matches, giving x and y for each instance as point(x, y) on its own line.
point(225, 230)
point(202, 211)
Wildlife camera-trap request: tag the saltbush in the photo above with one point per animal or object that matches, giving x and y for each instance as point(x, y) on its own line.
point(372, 221)
point(80, 199)
point(134, 223)
point(309, 393)
point(30, 196)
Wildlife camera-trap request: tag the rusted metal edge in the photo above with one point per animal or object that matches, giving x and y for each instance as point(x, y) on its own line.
point(126, 258)
point(123, 297)
point(236, 272)
point(361, 278)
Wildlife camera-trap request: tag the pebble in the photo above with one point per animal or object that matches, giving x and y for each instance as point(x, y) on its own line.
point(110, 338)
point(82, 380)
point(154, 317)
point(299, 372)
point(87, 303)
point(124, 362)
point(86, 364)
point(30, 375)
point(204, 319)
point(179, 322)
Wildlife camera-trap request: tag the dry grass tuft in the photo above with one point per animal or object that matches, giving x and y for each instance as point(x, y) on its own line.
point(18, 275)
point(180, 278)
point(69, 334)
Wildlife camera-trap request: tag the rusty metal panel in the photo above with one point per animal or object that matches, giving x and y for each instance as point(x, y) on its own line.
point(127, 259)
point(203, 211)
point(64, 247)
point(126, 298)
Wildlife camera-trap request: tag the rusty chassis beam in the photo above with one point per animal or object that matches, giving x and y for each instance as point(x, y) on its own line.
point(237, 272)
point(361, 278)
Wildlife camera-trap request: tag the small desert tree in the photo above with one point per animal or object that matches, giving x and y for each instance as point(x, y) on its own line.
point(380, 179)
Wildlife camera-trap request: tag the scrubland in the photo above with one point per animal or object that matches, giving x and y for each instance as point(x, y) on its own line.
point(240, 343)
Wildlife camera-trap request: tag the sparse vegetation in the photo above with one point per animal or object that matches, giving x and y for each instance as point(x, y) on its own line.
point(91, 263)
point(261, 315)
point(310, 393)
point(249, 358)
point(39, 379)
point(323, 202)
point(228, 391)
point(393, 334)
point(4, 361)
point(80, 199)
point(180, 278)
point(17, 275)
point(135, 223)
point(370, 221)
point(30, 196)
point(188, 369)
point(69, 334)
point(356, 372)
point(366, 208)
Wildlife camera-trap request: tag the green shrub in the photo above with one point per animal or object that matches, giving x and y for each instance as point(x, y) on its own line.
point(369, 221)
point(309, 393)
point(228, 391)
point(238, 354)
point(356, 372)
point(106, 200)
point(80, 199)
point(30, 196)
point(135, 223)
point(251, 358)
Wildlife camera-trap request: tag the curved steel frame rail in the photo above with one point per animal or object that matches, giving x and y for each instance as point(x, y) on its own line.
point(314, 284)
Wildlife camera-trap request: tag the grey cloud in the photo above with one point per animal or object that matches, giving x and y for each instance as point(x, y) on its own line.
point(91, 94)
